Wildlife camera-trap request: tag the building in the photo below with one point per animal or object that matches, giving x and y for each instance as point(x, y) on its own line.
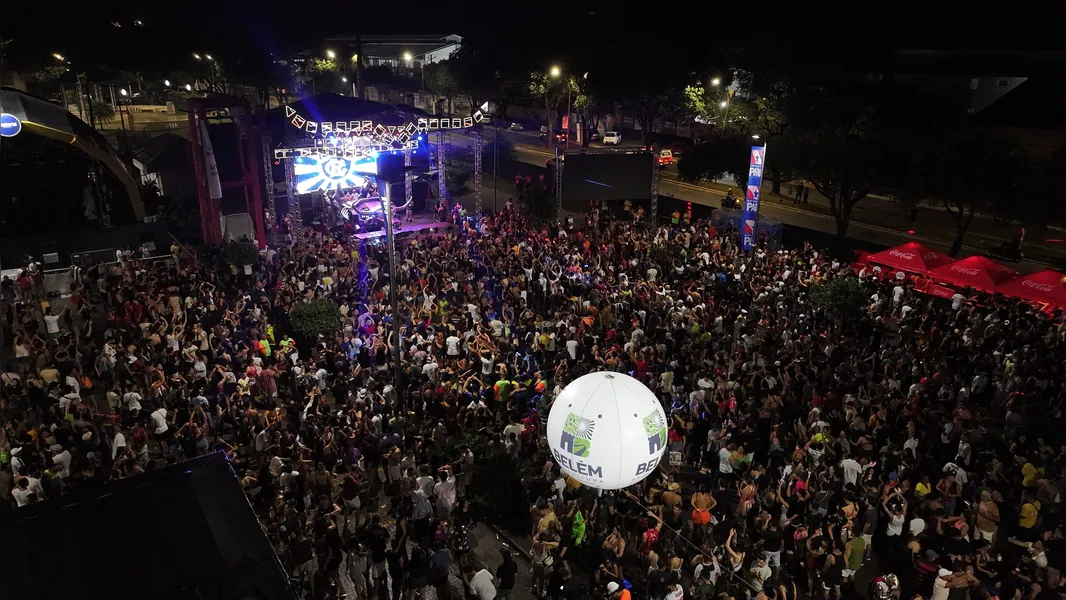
point(405, 55)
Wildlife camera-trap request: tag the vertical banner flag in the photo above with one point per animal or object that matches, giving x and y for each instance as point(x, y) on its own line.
point(214, 185)
point(750, 219)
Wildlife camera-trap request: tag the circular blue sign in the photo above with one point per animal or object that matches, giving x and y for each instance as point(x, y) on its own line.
point(10, 126)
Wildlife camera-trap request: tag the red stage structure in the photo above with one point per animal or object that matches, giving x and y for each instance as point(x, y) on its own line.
point(227, 109)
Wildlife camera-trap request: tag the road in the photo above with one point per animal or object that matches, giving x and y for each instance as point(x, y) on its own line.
point(875, 219)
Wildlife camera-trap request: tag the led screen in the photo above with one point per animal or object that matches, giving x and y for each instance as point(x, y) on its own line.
point(605, 177)
point(320, 173)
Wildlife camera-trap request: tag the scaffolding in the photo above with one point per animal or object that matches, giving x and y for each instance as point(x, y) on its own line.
point(441, 154)
point(407, 176)
point(271, 201)
point(296, 224)
point(477, 171)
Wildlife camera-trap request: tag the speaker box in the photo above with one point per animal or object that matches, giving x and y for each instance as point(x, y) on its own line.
point(390, 168)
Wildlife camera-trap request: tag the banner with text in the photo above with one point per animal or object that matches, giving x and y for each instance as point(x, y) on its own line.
point(750, 218)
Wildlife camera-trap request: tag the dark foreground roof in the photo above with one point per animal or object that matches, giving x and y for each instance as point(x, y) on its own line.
point(1036, 103)
point(163, 152)
point(185, 531)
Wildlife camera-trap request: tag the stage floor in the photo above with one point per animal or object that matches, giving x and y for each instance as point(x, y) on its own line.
point(418, 223)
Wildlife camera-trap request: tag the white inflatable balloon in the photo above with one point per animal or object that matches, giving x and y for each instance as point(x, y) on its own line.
point(607, 430)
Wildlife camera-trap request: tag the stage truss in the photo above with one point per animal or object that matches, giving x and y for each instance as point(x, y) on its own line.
point(271, 204)
point(374, 139)
point(442, 185)
point(477, 171)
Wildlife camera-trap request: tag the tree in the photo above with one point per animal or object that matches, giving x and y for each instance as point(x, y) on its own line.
point(589, 112)
point(844, 167)
point(722, 154)
point(845, 295)
point(441, 81)
point(648, 88)
point(552, 90)
point(240, 253)
point(103, 111)
point(500, 149)
point(314, 318)
point(972, 172)
point(324, 73)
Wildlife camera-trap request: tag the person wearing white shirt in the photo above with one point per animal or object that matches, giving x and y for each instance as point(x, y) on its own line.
point(571, 349)
point(956, 301)
point(117, 444)
point(430, 370)
point(453, 345)
point(27, 491)
point(61, 459)
point(724, 464)
point(479, 583)
point(851, 468)
point(132, 400)
point(161, 428)
point(444, 492)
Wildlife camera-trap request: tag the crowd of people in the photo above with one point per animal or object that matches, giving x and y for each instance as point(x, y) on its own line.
point(909, 446)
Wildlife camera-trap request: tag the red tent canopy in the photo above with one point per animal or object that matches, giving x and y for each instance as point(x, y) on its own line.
point(976, 271)
point(1045, 286)
point(912, 257)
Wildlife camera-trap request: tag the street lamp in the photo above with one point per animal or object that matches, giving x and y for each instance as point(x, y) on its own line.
point(344, 80)
point(716, 81)
point(58, 56)
point(166, 82)
point(196, 56)
point(188, 87)
point(723, 104)
point(754, 136)
point(331, 54)
point(122, 91)
point(209, 57)
point(407, 56)
point(555, 71)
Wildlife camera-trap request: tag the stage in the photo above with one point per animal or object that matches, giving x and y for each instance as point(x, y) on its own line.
point(423, 222)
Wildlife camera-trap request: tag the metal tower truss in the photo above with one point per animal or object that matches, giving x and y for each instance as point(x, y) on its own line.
point(441, 153)
point(477, 171)
point(268, 173)
point(296, 224)
point(406, 175)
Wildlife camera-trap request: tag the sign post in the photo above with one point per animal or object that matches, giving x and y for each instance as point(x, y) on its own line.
point(749, 221)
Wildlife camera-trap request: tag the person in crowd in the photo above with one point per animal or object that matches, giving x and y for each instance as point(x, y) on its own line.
point(812, 435)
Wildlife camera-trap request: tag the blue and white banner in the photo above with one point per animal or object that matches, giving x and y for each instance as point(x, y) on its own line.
point(214, 184)
point(750, 218)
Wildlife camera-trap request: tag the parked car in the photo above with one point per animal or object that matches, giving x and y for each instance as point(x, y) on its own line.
point(666, 157)
point(515, 126)
point(612, 137)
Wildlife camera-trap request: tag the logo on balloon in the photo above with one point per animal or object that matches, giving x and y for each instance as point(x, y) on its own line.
point(577, 435)
point(656, 431)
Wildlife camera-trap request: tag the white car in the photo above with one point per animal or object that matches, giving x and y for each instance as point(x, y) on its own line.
point(612, 137)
